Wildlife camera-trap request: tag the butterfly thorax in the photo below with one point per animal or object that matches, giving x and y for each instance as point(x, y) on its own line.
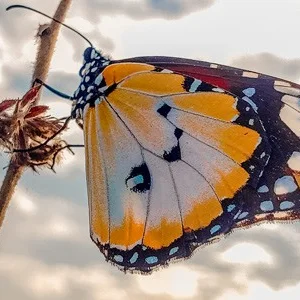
point(92, 85)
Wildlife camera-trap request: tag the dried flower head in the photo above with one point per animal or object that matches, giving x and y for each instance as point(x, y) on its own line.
point(24, 125)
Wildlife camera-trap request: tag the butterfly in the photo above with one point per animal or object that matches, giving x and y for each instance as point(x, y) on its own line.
point(181, 152)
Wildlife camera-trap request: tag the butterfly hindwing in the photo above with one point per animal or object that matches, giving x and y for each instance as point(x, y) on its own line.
point(277, 103)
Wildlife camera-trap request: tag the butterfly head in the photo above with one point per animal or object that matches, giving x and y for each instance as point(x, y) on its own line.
point(92, 82)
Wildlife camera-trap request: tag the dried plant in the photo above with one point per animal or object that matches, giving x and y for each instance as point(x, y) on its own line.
point(24, 125)
point(37, 128)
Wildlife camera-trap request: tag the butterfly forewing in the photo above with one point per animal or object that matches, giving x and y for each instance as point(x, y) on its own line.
point(276, 101)
point(168, 158)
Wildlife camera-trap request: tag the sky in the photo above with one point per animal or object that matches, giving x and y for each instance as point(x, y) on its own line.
point(45, 248)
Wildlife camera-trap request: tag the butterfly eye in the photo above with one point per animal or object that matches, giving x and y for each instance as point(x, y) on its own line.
point(89, 54)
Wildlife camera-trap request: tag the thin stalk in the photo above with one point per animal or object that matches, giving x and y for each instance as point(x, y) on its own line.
point(47, 42)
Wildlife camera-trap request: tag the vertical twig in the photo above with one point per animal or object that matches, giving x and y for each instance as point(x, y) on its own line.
point(48, 38)
point(45, 52)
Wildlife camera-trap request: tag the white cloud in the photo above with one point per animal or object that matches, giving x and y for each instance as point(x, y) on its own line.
point(58, 227)
point(220, 33)
point(45, 249)
point(25, 204)
point(257, 290)
point(79, 22)
point(49, 218)
point(37, 280)
point(247, 253)
point(178, 282)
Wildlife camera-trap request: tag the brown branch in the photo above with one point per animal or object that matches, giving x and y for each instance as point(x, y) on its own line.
point(45, 52)
point(48, 37)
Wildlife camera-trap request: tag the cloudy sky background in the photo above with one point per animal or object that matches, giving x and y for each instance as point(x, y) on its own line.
point(45, 249)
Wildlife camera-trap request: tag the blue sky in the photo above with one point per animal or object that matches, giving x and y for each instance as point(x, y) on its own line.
point(45, 249)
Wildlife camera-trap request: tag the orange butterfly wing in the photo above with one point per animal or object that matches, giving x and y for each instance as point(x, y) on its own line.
point(167, 158)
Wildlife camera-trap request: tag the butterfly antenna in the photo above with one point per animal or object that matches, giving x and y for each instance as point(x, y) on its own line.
point(41, 13)
point(53, 90)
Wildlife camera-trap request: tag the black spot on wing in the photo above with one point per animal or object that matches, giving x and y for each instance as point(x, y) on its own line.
point(164, 110)
point(158, 69)
point(194, 85)
point(205, 87)
point(139, 180)
point(175, 153)
point(178, 133)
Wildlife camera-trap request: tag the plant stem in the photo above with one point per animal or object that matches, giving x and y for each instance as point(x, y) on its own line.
point(48, 41)
point(9, 183)
point(45, 52)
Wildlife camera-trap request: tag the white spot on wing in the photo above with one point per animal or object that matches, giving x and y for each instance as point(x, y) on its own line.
point(173, 250)
point(249, 92)
point(118, 258)
point(234, 106)
point(151, 260)
point(134, 258)
point(243, 215)
point(263, 189)
point(218, 90)
point(258, 141)
point(280, 82)
point(291, 101)
point(215, 229)
point(214, 66)
point(250, 74)
point(266, 205)
point(196, 83)
point(291, 118)
point(284, 185)
point(286, 205)
point(166, 71)
point(253, 105)
point(294, 161)
point(234, 118)
point(287, 90)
